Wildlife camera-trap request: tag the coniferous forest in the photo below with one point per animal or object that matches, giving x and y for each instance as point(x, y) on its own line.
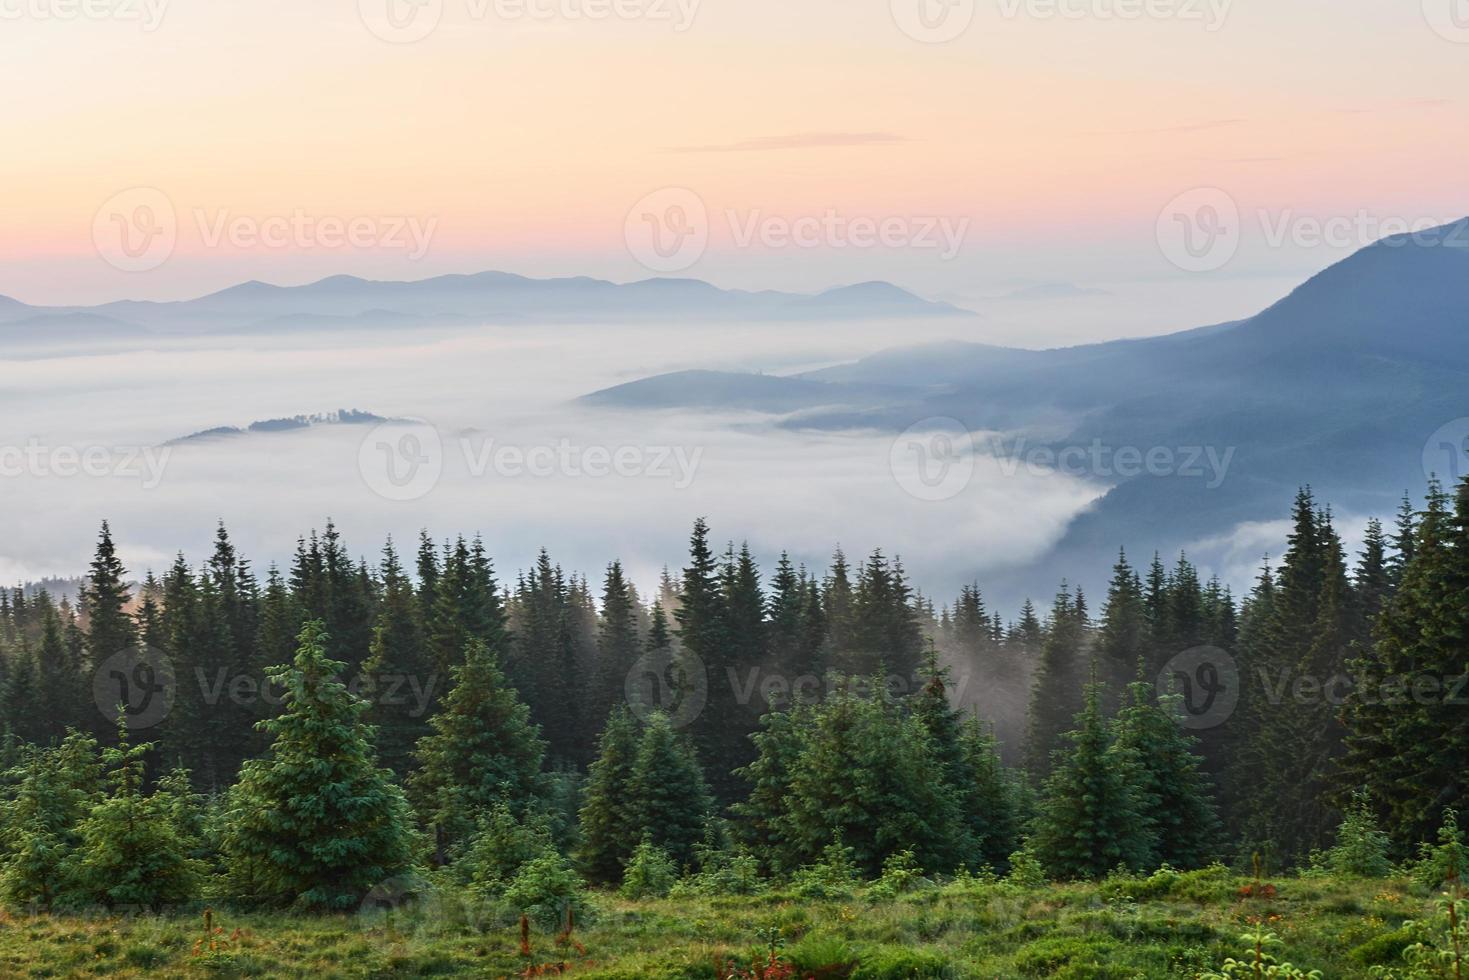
point(458, 761)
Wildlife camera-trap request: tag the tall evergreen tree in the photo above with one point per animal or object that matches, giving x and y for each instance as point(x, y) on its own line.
point(1175, 798)
point(610, 824)
point(483, 751)
point(1091, 818)
point(316, 823)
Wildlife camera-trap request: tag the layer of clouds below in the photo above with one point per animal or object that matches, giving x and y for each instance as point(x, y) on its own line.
point(778, 489)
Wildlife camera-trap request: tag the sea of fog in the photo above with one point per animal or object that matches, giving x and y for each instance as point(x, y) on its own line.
point(498, 446)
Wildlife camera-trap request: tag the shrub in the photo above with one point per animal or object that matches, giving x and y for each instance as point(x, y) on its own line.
point(1446, 861)
point(650, 873)
point(900, 874)
point(501, 848)
point(1361, 848)
point(547, 888)
point(834, 876)
point(1025, 868)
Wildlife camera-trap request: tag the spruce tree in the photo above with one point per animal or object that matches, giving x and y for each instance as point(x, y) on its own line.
point(1058, 688)
point(105, 597)
point(669, 798)
point(609, 820)
point(1406, 733)
point(131, 852)
point(618, 644)
point(401, 684)
point(316, 823)
point(483, 751)
point(1175, 798)
point(1091, 819)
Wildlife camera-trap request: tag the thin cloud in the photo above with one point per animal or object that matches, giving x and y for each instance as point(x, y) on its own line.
point(799, 141)
point(1169, 130)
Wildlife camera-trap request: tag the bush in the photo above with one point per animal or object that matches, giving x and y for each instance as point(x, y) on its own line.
point(650, 873)
point(900, 874)
point(1446, 861)
point(501, 848)
point(547, 888)
point(1361, 848)
point(834, 876)
point(1026, 869)
point(735, 873)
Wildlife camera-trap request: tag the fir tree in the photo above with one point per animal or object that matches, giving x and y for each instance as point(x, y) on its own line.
point(669, 798)
point(316, 823)
point(483, 751)
point(609, 820)
point(131, 852)
point(1091, 819)
point(399, 677)
point(1175, 798)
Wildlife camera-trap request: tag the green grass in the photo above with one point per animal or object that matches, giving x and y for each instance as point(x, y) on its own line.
point(1169, 926)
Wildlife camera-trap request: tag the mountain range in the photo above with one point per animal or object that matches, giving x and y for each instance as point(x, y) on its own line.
point(1339, 385)
point(456, 300)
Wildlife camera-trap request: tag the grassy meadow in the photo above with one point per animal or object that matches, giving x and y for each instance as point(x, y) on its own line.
point(1165, 925)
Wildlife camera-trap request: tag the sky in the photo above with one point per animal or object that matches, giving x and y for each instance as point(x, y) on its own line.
point(966, 149)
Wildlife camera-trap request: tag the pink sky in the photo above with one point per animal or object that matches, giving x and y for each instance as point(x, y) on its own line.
point(1055, 131)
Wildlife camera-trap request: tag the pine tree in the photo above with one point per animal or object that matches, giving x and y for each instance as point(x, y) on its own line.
point(703, 634)
point(968, 760)
point(1123, 641)
point(131, 853)
point(1058, 689)
point(483, 751)
point(1091, 820)
point(867, 771)
point(316, 823)
point(1175, 798)
point(668, 795)
point(1407, 737)
point(618, 643)
point(104, 599)
point(59, 787)
point(609, 820)
point(399, 678)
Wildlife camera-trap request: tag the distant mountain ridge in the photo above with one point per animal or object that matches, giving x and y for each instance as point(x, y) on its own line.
point(456, 300)
point(1340, 384)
